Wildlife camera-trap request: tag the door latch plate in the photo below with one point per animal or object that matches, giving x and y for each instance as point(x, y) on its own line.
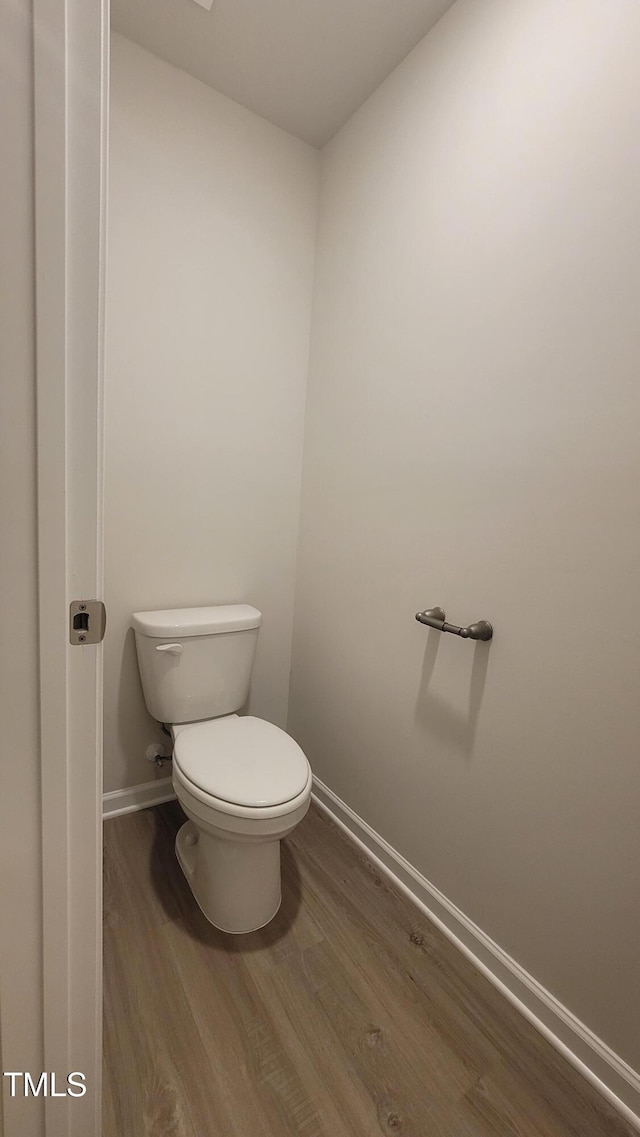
point(87, 621)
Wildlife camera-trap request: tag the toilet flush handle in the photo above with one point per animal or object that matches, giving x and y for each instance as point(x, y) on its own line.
point(173, 649)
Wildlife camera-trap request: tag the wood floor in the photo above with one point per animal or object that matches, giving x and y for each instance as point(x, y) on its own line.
point(350, 1015)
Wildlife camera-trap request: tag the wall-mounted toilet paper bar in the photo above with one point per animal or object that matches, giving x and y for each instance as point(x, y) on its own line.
point(435, 618)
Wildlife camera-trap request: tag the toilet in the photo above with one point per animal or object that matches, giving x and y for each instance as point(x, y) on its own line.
point(243, 783)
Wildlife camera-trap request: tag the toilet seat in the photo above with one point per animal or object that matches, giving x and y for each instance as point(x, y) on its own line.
point(240, 765)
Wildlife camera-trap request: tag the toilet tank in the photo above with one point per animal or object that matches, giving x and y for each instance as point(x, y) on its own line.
point(195, 663)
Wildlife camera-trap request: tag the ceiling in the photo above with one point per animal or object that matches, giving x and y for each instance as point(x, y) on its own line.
point(305, 65)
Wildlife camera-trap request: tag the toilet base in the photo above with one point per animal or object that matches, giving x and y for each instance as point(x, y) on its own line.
point(236, 882)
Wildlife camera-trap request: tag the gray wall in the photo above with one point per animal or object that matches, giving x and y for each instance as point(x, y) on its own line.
point(472, 441)
point(212, 220)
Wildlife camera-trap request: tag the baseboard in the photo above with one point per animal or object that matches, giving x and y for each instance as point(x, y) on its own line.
point(137, 797)
point(614, 1079)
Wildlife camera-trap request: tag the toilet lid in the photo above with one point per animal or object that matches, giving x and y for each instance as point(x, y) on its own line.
point(245, 761)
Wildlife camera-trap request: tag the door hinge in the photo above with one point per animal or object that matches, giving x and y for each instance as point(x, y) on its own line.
point(87, 621)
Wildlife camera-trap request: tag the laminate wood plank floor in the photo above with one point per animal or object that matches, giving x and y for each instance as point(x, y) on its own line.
point(350, 1015)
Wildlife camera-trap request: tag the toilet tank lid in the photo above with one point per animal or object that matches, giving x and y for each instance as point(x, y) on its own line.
point(178, 623)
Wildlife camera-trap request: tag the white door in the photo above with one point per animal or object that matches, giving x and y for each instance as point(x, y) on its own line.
point(70, 56)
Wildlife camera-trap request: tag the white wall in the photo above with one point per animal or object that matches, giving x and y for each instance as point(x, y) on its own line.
point(212, 216)
point(20, 836)
point(472, 442)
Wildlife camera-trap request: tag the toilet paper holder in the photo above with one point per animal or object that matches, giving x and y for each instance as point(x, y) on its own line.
point(435, 618)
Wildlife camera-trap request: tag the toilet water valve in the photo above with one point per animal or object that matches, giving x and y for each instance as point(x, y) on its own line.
point(157, 754)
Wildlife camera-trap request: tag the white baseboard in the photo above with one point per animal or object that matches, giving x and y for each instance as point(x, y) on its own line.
point(614, 1079)
point(137, 797)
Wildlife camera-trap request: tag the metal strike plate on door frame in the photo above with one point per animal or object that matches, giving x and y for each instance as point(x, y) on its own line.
point(87, 622)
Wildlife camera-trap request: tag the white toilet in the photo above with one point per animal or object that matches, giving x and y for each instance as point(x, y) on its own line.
point(243, 783)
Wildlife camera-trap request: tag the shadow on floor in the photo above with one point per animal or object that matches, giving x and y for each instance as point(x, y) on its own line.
point(180, 907)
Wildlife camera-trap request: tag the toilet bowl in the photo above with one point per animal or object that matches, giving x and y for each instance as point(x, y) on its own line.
point(229, 851)
point(243, 783)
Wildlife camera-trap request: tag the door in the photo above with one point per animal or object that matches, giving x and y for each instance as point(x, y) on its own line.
point(70, 55)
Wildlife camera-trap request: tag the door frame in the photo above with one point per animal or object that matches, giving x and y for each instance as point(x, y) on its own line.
point(70, 63)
